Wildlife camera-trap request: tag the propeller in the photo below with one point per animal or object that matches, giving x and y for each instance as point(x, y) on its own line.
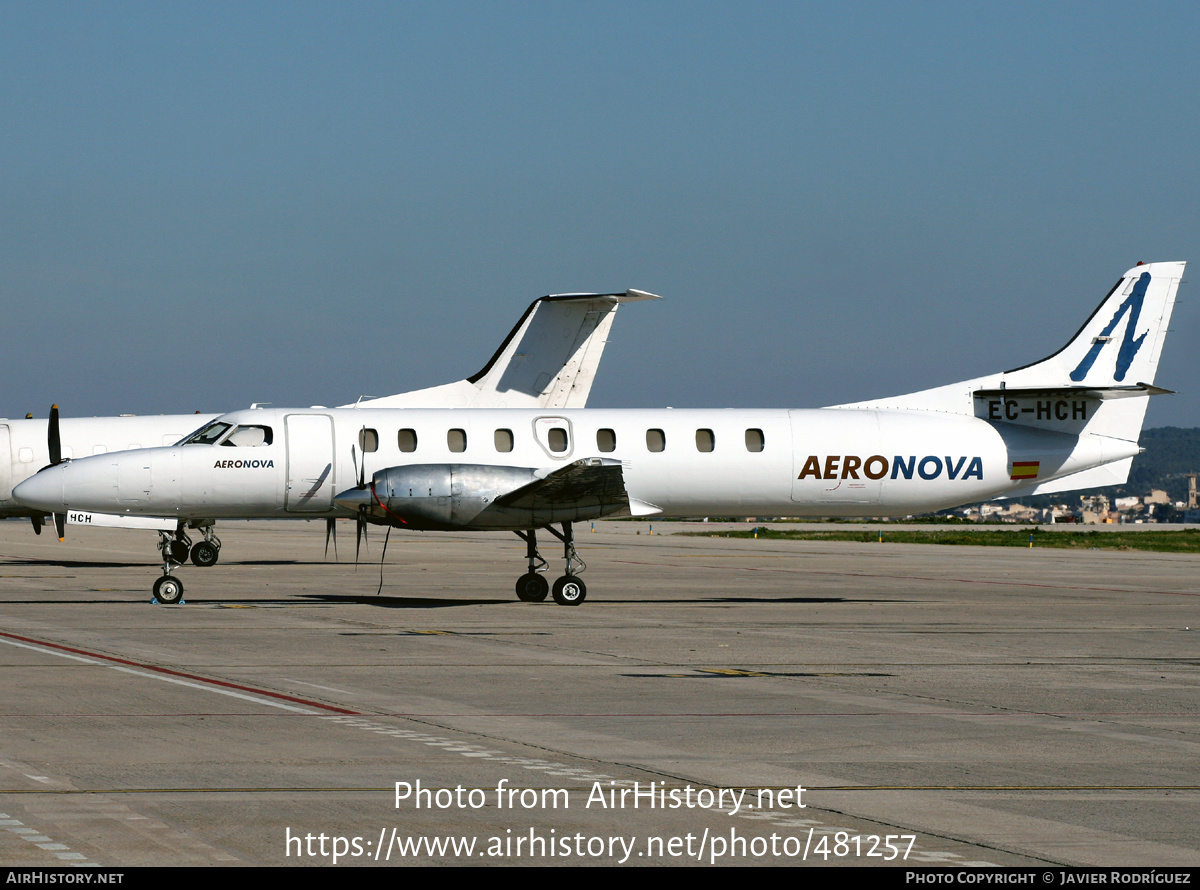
point(360, 523)
point(54, 446)
point(386, 537)
point(53, 438)
point(331, 533)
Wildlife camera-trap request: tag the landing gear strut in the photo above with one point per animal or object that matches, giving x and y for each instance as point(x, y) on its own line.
point(175, 547)
point(569, 590)
point(532, 587)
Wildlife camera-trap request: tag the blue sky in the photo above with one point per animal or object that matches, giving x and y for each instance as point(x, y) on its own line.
point(206, 205)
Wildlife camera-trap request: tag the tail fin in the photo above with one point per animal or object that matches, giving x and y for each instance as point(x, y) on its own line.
point(1121, 343)
point(1114, 354)
point(1088, 399)
point(548, 360)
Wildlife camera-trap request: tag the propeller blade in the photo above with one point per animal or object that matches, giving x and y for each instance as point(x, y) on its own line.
point(331, 532)
point(360, 532)
point(362, 475)
point(37, 524)
point(60, 525)
point(53, 439)
point(357, 474)
point(386, 537)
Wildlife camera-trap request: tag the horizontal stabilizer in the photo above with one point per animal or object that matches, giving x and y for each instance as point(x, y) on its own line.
point(1086, 392)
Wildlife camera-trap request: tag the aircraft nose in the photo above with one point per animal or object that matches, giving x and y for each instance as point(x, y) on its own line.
point(88, 483)
point(43, 490)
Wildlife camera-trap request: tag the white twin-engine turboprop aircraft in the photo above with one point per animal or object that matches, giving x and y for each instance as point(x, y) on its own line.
point(1069, 421)
point(547, 361)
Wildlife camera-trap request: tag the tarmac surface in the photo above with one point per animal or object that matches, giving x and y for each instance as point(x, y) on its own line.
point(954, 706)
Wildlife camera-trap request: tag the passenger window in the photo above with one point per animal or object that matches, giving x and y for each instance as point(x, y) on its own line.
point(656, 440)
point(504, 440)
point(457, 440)
point(99, 449)
point(368, 440)
point(26, 455)
point(606, 440)
point(705, 440)
point(407, 440)
point(755, 440)
point(557, 439)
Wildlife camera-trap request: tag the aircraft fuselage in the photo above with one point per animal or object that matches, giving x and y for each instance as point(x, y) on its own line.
point(674, 462)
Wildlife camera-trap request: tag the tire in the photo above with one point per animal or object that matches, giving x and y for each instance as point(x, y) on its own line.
point(205, 554)
point(179, 551)
point(168, 590)
point(569, 591)
point(532, 588)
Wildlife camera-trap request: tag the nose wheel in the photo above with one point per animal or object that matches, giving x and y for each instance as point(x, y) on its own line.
point(168, 590)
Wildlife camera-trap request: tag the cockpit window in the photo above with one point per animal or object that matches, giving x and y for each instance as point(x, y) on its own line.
point(249, 437)
point(209, 434)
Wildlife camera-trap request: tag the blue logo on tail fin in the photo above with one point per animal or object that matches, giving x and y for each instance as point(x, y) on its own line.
point(1129, 345)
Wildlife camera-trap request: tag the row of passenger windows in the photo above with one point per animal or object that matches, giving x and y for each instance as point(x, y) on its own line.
point(556, 440)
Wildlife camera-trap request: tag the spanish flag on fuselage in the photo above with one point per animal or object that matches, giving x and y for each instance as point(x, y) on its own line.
point(1024, 469)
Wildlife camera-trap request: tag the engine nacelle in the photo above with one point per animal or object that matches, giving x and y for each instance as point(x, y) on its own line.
point(444, 496)
point(476, 496)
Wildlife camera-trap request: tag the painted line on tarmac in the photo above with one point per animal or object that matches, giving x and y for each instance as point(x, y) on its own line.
point(61, 852)
point(179, 678)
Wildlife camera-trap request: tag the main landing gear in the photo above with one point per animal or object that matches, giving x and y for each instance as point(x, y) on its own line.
point(176, 547)
point(208, 551)
point(532, 587)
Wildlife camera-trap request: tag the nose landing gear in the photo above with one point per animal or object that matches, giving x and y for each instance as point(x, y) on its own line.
point(168, 589)
point(176, 547)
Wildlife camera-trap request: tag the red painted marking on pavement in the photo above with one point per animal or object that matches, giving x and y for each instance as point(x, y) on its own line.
point(266, 693)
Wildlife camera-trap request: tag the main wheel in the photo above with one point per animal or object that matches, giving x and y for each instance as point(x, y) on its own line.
point(532, 588)
point(205, 554)
point(178, 551)
point(569, 591)
point(168, 589)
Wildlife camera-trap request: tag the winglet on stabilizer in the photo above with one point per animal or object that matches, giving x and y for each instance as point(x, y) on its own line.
point(548, 360)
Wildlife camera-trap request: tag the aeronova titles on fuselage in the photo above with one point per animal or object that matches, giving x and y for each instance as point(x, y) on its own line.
point(848, 466)
point(242, 464)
